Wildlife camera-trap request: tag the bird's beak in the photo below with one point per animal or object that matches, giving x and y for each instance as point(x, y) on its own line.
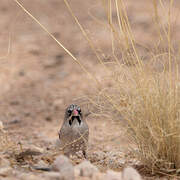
point(75, 113)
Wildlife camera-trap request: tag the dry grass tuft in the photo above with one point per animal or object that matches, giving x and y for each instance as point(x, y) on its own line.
point(149, 108)
point(145, 94)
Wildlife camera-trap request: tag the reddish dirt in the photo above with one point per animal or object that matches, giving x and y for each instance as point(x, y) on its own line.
point(39, 79)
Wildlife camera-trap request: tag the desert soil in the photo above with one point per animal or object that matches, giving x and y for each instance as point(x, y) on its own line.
point(39, 79)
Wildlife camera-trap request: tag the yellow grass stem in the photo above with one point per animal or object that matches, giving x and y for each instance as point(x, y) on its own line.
point(85, 34)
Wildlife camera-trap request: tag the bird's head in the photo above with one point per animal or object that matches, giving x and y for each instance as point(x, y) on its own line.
point(73, 112)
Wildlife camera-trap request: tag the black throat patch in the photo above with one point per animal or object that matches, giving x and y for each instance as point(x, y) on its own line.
point(73, 118)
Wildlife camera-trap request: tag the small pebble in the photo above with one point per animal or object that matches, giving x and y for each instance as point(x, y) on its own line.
point(85, 169)
point(63, 165)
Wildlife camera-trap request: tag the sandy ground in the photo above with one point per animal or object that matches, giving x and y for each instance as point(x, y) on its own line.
point(39, 79)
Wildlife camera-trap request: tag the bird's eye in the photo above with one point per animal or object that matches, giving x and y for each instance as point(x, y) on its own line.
point(69, 111)
point(79, 109)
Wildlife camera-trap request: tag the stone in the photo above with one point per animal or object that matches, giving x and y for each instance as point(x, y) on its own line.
point(36, 149)
point(52, 176)
point(85, 169)
point(63, 165)
point(29, 176)
point(130, 173)
point(41, 164)
point(112, 175)
point(98, 176)
point(5, 171)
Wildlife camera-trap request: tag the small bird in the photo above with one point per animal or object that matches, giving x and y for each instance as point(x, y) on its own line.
point(74, 132)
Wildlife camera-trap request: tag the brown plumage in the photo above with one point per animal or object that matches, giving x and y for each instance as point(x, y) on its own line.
point(74, 132)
